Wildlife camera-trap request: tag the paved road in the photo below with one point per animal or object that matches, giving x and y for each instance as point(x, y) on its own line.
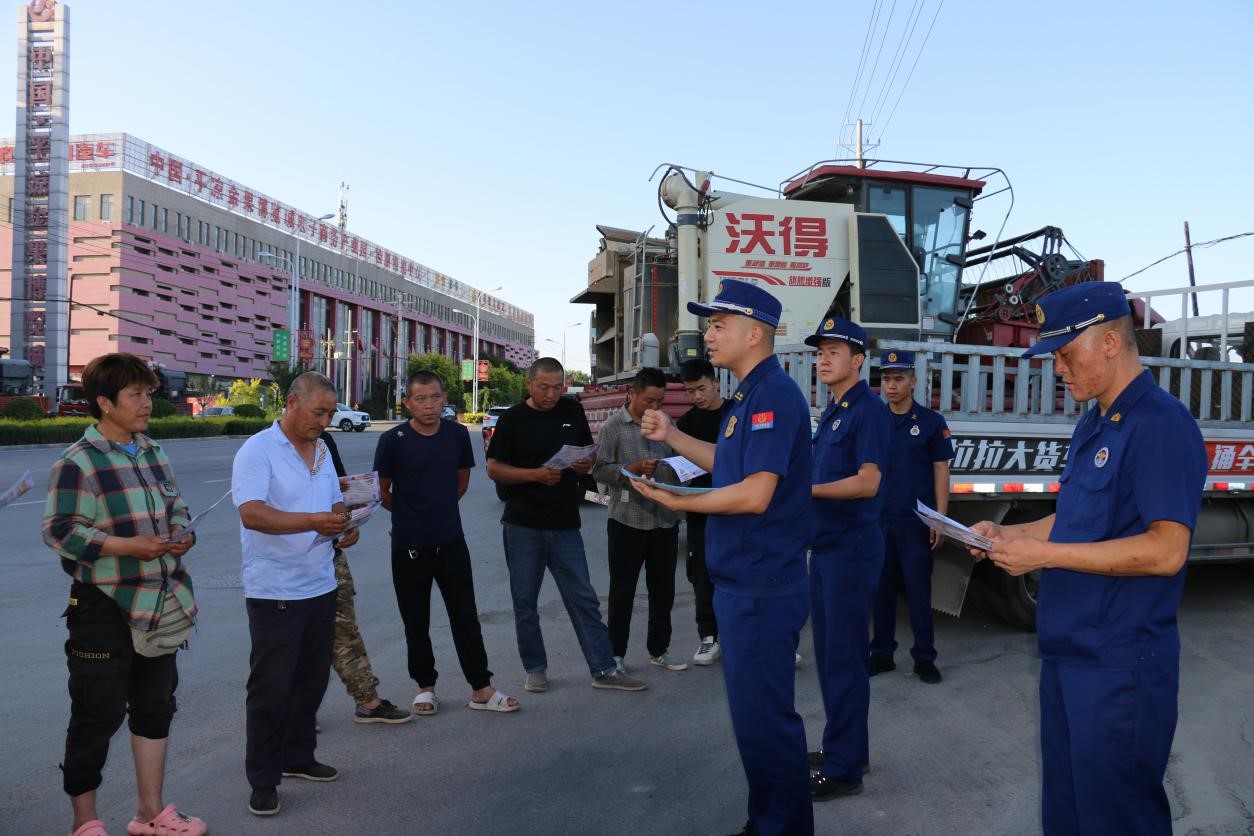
point(960, 757)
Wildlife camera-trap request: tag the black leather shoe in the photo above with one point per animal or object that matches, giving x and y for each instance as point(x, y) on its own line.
point(823, 788)
point(881, 664)
point(818, 758)
point(927, 672)
point(264, 801)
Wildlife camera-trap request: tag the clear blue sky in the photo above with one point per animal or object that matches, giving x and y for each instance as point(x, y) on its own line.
point(488, 139)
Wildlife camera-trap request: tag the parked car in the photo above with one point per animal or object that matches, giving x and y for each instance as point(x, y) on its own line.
point(216, 412)
point(489, 424)
point(448, 413)
point(349, 419)
point(494, 412)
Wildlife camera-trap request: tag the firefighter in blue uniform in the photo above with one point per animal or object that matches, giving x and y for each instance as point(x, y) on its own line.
point(846, 551)
point(1112, 571)
point(918, 471)
point(759, 513)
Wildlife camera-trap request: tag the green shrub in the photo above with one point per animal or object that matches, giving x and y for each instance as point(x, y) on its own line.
point(22, 409)
point(161, 408)
point(67, 430)
point(249, 410)
point(472, 418)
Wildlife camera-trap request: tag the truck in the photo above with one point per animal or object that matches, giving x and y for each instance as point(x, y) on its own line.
point(891, 246)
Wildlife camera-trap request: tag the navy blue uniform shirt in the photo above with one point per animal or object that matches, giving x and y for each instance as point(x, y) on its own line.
point(853, 431)
point(1143, 461)
point(765, 429)
point(920, 439)
point(423, 470)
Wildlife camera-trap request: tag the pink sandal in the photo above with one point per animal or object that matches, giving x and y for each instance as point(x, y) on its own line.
point(169, 822)
point(95, 827)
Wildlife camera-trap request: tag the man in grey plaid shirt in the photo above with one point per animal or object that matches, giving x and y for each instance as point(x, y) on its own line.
point(640, 533)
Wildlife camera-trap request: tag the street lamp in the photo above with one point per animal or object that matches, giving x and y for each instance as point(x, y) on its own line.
point(563, 342)
point(293, 301)
point(474, 378)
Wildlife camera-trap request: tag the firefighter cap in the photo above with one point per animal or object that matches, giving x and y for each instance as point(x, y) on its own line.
point(896, 359)
point(837, 328)
point(1065, 313)
point(737, 297)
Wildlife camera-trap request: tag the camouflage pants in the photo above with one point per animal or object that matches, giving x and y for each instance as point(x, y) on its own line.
point(348, 656)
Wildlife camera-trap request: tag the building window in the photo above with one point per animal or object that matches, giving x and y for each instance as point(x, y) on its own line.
point(106, 207)
point(155, 216)
point(139, 216)
point(82, 207)
point(165, 221)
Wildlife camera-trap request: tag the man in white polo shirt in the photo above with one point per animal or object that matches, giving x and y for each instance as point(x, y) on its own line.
point(287, 492)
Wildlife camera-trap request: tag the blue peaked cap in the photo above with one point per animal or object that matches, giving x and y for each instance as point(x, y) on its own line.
point(1065, 313)
point(897, 359)
point(743, 298)
point(839, 328)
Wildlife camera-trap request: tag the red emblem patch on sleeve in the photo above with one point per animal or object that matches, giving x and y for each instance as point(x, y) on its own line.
point(762, 421)
point(945, 432)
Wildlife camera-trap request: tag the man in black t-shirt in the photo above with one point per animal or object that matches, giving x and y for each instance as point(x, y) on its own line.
point(541, 524)
point(702, 422)
point(424, 470)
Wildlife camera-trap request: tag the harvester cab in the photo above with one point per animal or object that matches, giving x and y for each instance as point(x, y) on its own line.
point(884, 246)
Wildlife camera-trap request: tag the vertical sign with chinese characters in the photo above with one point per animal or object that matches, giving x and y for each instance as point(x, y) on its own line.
point(40, 313)
point(797, 250)
point(282, 346)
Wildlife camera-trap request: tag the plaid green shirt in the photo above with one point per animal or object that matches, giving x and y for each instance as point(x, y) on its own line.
point(97, 490)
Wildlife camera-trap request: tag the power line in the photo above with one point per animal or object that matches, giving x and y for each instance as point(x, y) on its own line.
point(853, 91)
point(875, 65)
point(1198, 246)
point(899, 56)
point(910, 75)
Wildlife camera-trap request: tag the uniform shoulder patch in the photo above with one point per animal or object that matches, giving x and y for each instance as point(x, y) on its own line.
point(731, 427)
point(762, 421)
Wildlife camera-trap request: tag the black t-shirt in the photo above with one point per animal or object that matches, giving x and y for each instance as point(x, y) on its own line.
point(424, 470)
point(527, 437)
point(335, 454)
point(703, 425)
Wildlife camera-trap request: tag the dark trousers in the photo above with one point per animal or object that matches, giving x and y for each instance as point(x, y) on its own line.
point(413, 570)
point(107, 677)
point(630, 549)
point(842, 582)
point(759, 641)
point(699, 577)
point(1105, 739)
point(289, 666)
point(908, 564)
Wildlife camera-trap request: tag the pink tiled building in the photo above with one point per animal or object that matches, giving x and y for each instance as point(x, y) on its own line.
point(177, 264)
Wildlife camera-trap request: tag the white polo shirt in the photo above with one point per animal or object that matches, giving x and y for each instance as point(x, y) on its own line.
point(284, 567)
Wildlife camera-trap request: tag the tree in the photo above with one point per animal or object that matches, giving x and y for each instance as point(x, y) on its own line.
point(578, 378)
point(446, 370)
point(506, 387)
point(283, 375)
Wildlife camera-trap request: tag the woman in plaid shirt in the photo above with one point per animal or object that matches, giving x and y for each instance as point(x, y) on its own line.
point(112, 516)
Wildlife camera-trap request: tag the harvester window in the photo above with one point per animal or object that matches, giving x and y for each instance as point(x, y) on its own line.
point(890, 201)
point(938, 228)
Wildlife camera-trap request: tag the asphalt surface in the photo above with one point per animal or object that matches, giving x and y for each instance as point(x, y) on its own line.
point(959, 757)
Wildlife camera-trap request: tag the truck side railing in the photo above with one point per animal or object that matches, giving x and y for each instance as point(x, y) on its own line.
point(981, 382)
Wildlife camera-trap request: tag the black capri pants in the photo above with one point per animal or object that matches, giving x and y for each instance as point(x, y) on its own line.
point(108, 679)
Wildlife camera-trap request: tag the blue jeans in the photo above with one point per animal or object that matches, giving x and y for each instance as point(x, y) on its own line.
point(528, 551)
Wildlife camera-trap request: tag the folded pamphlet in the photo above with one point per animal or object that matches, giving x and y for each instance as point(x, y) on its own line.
point(952, 529)
point(679, 489)
point(21, 486)
point(569, 454)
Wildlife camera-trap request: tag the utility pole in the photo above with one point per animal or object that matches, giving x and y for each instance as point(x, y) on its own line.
point(397, 360)
point(348, 364)
point(1188, 255)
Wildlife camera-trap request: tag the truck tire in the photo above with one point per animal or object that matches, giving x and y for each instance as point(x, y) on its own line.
point(1010, 598)
point(346, 426)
